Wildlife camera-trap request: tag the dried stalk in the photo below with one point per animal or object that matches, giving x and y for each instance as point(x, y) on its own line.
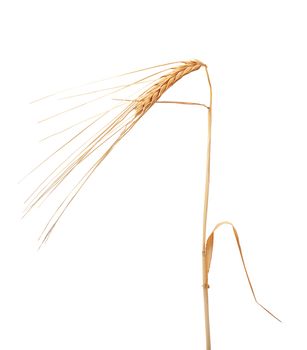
point(205, 216)
point(116, 129)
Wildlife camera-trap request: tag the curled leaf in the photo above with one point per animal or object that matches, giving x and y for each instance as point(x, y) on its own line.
point(208, 258)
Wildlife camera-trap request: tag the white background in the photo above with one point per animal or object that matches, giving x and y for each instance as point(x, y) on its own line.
point(123, 267)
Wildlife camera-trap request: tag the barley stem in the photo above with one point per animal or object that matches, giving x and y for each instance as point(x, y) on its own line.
point(205, 215)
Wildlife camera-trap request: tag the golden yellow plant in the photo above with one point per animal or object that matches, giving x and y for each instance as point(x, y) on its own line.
point(132, 110)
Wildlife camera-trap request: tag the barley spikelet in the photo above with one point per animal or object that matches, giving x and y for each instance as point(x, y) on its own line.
point(110, 134)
